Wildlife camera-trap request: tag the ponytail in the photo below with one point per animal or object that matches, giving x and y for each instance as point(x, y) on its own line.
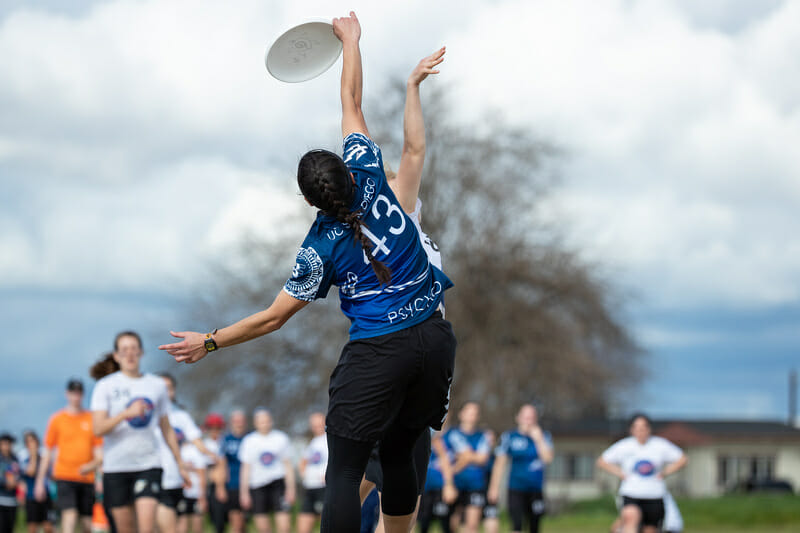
point(105, 366)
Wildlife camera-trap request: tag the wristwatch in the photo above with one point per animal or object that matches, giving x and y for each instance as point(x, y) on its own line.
point(209, 343)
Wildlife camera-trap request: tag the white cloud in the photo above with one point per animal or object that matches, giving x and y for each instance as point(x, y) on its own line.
point(144, 127)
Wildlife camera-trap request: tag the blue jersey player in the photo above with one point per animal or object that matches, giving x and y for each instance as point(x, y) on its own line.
point(527, 449)
point(472, 450)
point(393, 377)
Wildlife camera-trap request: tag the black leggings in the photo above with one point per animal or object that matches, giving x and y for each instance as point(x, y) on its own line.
point(8, 517)
point(347, 460)
point(217, 510)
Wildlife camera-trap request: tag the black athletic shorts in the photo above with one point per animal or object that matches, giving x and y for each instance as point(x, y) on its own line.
point(123, 488)
point(422, 455)
point(433, 506)
point(313, 500)
point(186, 506)
point(37, 512)
point(233, 500)
point(75, 495)
point(474, 498)
point(652, 510)
point(490, 510)
point(401, 377)
point(524, 504)
point(270, 498)
point(170, 498)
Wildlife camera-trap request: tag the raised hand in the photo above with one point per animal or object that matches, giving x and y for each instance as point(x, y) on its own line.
point(425, 67)
point(347, 28)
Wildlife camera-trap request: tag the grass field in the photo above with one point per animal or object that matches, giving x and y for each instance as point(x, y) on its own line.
point(734, 514)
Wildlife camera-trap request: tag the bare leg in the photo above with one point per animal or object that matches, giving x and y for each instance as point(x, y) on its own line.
point(86, 524)
point(472, 519)
point(305, 522)
point(167, 519)
point(261, 522)
point(236, 519)
point(146, 514)
point(630, 516)
point(124, 518)
point(69, 519)
point(283, 522)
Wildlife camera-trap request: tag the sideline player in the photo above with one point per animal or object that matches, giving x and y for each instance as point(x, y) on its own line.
point(229, 448)
point(128, 407)
point(642, 461)
point(312, 471)
point(266, 479)
point(171, 499)
point(440, 490)
point(393, 378)
point(75, 453)
point(471, 448)
point(36, 512)
point(528, 449)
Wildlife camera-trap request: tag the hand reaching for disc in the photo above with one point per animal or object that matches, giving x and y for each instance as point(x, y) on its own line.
point(347, 28)
point(425, 66)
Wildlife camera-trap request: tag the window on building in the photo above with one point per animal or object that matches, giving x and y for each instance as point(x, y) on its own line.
point(571, 467)
point(735, 469)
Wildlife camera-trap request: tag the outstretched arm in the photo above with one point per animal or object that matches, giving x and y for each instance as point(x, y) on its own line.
point(409, 173)
point(192, 348)
point(348, 30)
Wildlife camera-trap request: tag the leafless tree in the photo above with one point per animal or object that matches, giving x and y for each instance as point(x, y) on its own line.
point(534, 321)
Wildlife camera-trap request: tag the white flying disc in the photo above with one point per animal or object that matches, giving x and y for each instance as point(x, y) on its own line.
point(303, 52)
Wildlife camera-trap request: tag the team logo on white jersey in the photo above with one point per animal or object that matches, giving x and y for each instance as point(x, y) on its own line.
point(267, 458)
point(644, 468)
point(139, 422)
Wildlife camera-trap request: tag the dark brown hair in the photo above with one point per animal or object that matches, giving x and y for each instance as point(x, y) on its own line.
point(325, 181)
point(105, 366)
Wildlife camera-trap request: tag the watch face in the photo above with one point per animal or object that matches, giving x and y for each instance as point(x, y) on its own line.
point(210, 345)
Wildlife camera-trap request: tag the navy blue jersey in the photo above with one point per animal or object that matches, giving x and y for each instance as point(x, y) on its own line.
point(527, 469)
point(329, 256)
point(435, 479)
point(473, 477)
point(30, 481)
point(229, 446)
point(10, 470)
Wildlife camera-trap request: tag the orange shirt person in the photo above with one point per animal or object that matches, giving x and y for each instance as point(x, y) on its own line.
point(79, 454)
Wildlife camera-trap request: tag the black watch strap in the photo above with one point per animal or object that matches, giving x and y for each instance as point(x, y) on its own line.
point(209, 342)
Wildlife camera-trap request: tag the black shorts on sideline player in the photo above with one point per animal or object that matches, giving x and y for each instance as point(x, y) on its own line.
point(37, 512)
point(652, 510)
point(75, 495)
point(123, 488)
point(233, 500)
point(270, 498)
point(171, 498)
point(313, 501)
point(422, 455)
point(525, 505)
point(401, 377)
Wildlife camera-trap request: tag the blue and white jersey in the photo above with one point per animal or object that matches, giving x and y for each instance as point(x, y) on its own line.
point(435, 478)
point(473, 477)
point(527, 468)
point(329, 256)
point(229, 447)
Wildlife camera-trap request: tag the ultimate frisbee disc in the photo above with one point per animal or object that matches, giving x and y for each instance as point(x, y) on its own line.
point(303, 52)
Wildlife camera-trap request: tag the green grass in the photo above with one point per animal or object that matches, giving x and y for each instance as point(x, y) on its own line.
point(734, 514)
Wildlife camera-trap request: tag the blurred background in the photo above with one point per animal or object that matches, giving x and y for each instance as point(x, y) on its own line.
point(614, 186)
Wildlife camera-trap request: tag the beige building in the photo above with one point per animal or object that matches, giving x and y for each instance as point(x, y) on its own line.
point(723, 456)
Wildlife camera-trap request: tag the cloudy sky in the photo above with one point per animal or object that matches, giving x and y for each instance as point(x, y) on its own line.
point(139, 139)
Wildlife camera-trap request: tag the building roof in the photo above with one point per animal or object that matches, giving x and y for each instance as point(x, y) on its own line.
point(682, 432)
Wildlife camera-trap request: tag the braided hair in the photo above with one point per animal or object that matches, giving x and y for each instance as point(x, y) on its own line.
point(325, 181)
